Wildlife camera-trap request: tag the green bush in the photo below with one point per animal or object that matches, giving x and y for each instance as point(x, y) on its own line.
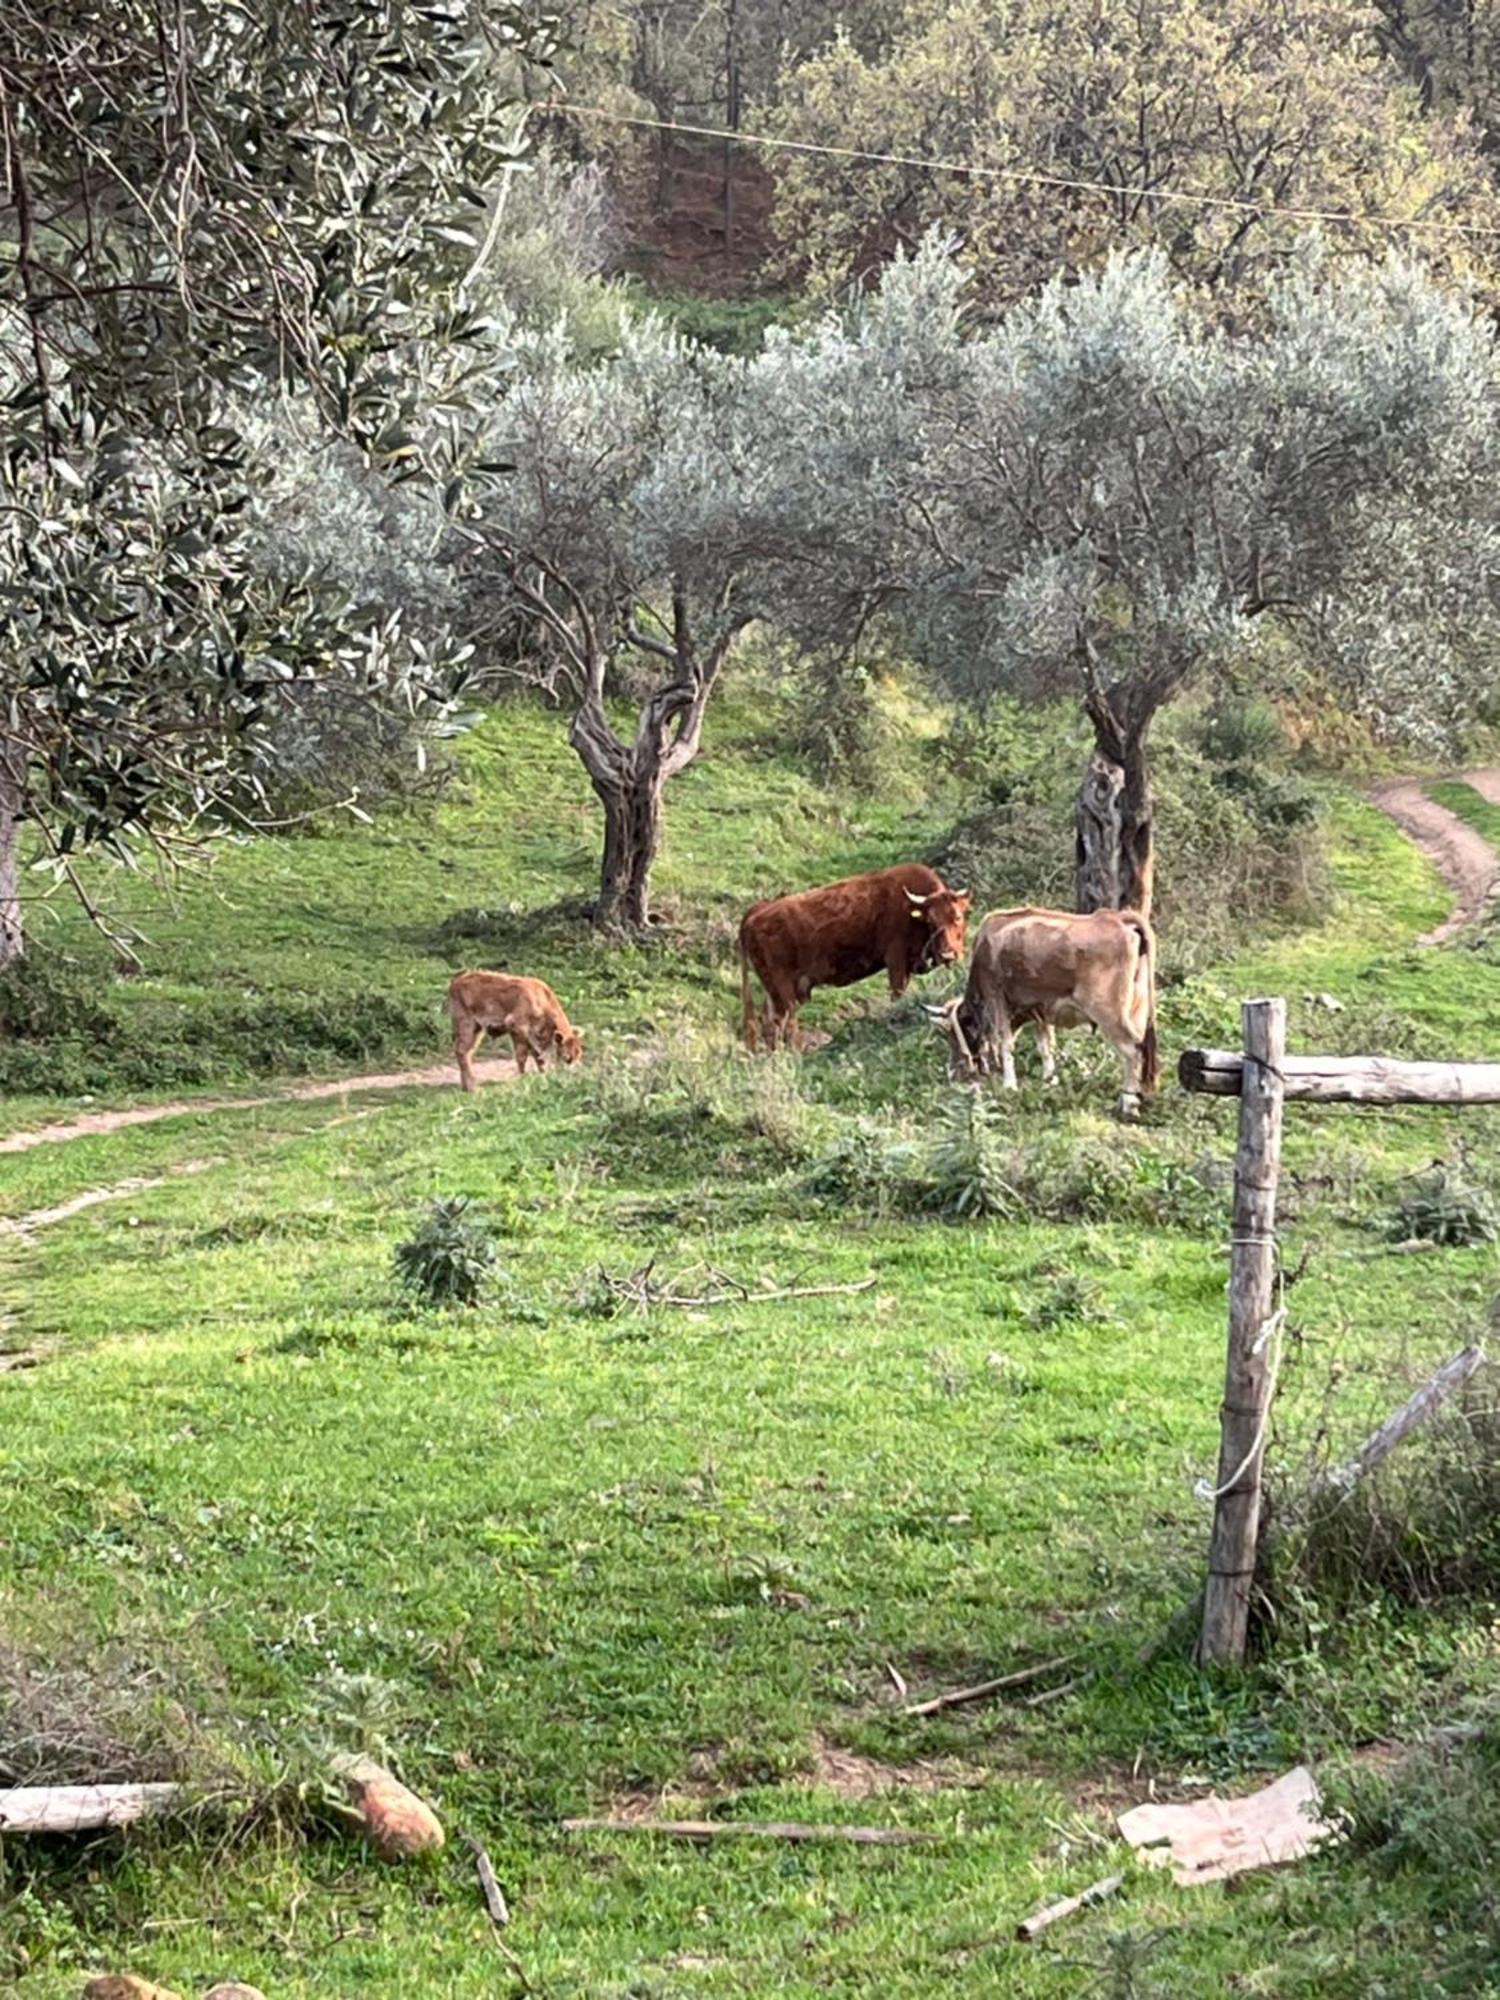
point(1443, 1205)
point(451, 1258)
point(44, 998)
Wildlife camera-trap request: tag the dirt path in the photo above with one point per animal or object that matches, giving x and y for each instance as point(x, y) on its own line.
point(498, 1069)
point(1463, 858)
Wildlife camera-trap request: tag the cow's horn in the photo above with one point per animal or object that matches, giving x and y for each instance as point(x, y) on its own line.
point(914, 898)
point(959, 893)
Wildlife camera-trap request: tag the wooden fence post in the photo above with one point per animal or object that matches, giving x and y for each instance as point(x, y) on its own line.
point(1248, 1380)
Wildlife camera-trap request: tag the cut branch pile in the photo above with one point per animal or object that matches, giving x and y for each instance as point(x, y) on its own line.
point(641, 1290)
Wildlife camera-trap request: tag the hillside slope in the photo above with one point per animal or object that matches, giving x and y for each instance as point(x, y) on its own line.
point(584, 1548)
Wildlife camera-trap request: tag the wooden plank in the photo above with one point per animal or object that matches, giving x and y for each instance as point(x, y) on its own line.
point(1248, 1376)
point(1348, 1079)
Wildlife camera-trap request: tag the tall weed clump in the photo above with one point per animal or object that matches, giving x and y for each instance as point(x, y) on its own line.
point(695, 1089)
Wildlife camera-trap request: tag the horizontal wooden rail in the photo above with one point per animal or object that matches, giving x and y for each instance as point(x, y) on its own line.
point(1348, 1079)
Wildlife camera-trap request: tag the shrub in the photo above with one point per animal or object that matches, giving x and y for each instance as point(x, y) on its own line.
point(967, 1167)
point(44, 998)
point(1443, 1205)
point(450, 1259)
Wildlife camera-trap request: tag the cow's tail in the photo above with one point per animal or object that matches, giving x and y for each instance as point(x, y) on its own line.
point(1146, 972)
point(747, 1001)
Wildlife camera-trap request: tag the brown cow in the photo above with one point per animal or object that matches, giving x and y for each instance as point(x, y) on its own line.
point(1058, 970)
point(499, 1004)
point(905, 920)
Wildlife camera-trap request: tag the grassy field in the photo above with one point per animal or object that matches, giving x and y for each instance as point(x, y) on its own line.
point(556, 1555)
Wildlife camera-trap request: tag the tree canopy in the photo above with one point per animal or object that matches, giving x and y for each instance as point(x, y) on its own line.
point(200, 208)
point(1093, 128)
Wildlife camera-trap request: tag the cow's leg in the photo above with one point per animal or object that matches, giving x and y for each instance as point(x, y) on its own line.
point(898, 970)
point(783, 998)
point(520, 1049)
point(1131, 1057)
point(466, 1037)
point(1046, 1041)
point(1005, 1032)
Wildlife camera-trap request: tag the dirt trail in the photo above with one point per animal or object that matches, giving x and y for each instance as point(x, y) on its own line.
point(1464, 858)
point(498, 1069)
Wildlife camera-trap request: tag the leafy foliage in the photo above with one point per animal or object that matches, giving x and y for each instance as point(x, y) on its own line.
point(450, 1259)
point(1257, 106)
point(204, 207)
point(1445, 1204)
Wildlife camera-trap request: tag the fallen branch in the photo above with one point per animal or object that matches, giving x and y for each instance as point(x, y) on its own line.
point(489, 1882)
point(82, 1808)
point(1414, 1411)
point(751, 1829)
point(1097, 1892)
point(982, 1690)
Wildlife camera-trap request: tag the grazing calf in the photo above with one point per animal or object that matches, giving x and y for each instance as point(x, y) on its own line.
point(1058, 970)
point(527, 1010)
point(902, 920)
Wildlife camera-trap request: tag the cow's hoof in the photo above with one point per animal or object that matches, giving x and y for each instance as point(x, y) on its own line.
point(1130, 1107)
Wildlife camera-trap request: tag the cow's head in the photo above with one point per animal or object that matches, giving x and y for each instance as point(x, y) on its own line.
point(944, 913)
point(570, 1045)
point(958, 1022)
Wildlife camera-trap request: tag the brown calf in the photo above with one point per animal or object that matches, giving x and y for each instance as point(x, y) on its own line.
point(902, 920)
point(497, 1003)
point(1058, 970)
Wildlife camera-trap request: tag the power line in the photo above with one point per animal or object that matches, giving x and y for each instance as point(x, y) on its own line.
point(1024, 177)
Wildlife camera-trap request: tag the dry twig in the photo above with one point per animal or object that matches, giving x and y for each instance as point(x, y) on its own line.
point(752, 1829)
point(982, 1690)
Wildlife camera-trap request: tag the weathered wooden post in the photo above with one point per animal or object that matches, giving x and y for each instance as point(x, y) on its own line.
point(1248, 1382)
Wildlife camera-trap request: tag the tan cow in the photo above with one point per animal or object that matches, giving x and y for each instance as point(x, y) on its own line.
point(1058, 970)
point(498, 1003)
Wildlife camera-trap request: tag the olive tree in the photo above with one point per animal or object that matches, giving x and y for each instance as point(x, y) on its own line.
point(609, 558)
point(1109, 496)
point(197, 206)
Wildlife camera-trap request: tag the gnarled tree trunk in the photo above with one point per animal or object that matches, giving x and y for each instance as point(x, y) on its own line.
point(12, 933)
point(1113, 815)
point(632, 835)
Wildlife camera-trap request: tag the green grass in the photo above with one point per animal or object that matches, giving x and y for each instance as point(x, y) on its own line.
point(1471, 807)
point(555, 1556)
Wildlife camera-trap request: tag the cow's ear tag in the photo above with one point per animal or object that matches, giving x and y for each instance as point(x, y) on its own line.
point(916, 916)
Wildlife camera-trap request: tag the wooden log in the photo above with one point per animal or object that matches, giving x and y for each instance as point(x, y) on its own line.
point(1434, 1392)
point(751, 1829)
point(81, 1808)
point(1097, 1892)
point(1247, 1371)
point(1348, 1079)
